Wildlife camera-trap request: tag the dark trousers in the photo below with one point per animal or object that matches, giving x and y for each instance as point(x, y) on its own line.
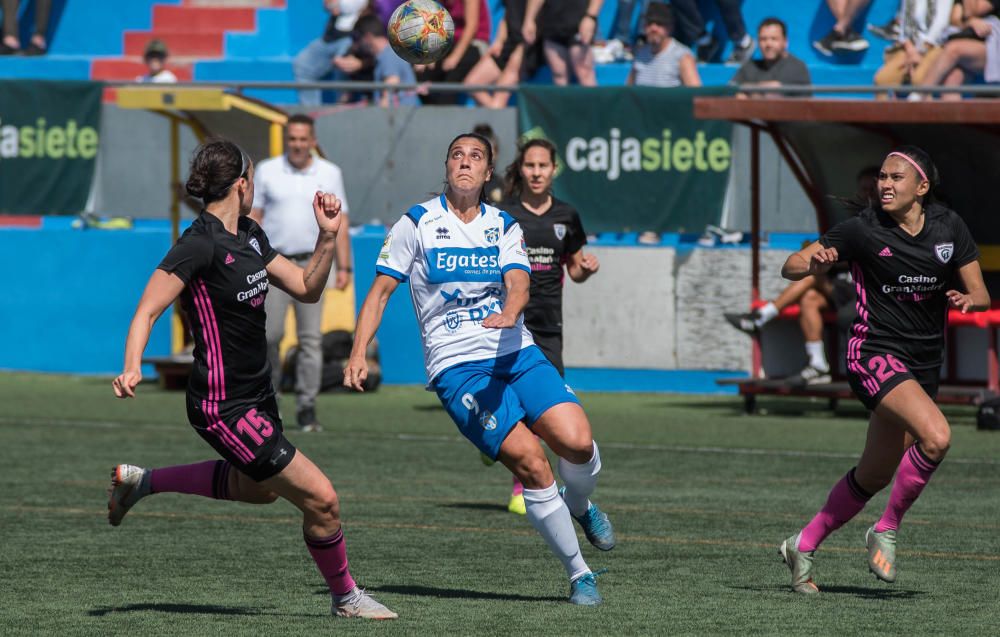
point(691, 24)
point(42, 10)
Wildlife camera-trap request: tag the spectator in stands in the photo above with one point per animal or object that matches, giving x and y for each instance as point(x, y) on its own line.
point(777, 67)
point(691, 25)
point(155, 56)
point(11, 42)
point(973, 50)
point(316, 60)
point(283, 189)
point(623, 38)
point(662, 61)
point(842, 38)
point(472, 36)
point(568, 29)
point(369, 33)
point(816, 294)
point(507, 60)
point(921, 31)
point(384, 8)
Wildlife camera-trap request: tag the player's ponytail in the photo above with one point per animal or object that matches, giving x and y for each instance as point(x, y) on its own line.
point(216, 166)
point(513, 182)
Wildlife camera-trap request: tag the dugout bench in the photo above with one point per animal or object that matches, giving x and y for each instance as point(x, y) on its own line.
point(953, 390)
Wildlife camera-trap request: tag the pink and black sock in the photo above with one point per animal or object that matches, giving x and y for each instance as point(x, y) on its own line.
point(209, 479)
point(330, 555)
point(915, 471)
point(846, 500)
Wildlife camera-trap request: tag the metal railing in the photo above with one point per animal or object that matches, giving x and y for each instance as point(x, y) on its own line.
point(240, 86)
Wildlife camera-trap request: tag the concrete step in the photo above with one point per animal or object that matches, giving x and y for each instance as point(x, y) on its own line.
point(234, 3)
point(131, 69)
point(175, 19)
point(178, 43)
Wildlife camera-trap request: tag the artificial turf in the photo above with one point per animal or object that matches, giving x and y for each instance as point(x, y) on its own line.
point(700, 496)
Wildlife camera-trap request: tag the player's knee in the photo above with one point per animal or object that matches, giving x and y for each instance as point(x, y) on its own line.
point(936, 443)
point(580, 449)
point(811, 300)
point(264, 496)
point(324, 505)
point(534, 472)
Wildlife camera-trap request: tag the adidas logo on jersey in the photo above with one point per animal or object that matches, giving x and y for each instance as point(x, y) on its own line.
point(886, 252)
point(230, 258)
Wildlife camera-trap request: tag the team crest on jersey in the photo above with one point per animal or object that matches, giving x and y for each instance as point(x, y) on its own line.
point(943, 251)
point(560, 230)
point(492, 235)
point(254, 244)
point(487, 421)
point(452, 321)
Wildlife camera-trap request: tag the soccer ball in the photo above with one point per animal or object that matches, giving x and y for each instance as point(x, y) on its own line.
point(421, 31)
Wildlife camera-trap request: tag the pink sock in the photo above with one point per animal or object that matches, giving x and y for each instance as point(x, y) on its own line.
point(209, 479)
point(915, 471)
point(330, 556)
point(518, 487)
point(844, 502)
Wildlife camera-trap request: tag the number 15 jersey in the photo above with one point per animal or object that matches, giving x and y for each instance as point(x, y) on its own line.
point(455, 271)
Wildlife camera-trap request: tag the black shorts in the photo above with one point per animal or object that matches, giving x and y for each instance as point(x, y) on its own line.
point(561, 21)
point(873, 375)
point(247, 433)
point(551, 345)
point(530, 62)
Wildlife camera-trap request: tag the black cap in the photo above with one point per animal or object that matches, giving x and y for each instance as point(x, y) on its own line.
point(155, 48)
point(660, 13)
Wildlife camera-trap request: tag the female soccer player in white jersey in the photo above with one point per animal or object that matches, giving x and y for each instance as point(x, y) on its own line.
point(905, 251)
point(221, 268)
point(469, 278)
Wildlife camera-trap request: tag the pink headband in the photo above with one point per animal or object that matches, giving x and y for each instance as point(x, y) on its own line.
point(920, 170)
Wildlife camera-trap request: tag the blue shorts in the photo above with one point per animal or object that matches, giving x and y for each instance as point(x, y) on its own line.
point(487, 398)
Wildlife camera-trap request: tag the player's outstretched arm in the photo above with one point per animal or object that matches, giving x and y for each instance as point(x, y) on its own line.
point(369, 318)
point(977, 298)
point(161, 291)
point(813, 259)
point(307, 284)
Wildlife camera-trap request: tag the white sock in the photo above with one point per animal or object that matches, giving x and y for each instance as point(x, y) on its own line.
point(580, 481)
point(550, 517)
point(745, 42)
point(766, 314)
point(817, 355)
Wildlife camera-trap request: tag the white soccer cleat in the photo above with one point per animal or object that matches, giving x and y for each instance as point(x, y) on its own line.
point(361, 604)
point(128, 485)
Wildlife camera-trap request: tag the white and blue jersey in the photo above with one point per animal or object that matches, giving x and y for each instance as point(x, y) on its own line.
point(455, 271)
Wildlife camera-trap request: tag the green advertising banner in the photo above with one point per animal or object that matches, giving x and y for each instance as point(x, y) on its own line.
point(633, 158)
point(49, 135)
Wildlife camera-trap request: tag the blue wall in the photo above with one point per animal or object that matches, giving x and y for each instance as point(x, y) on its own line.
point(73, 312)
point(70, 307)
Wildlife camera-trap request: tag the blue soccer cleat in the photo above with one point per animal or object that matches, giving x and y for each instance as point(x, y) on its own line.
point(583, 591)
point(596, 526)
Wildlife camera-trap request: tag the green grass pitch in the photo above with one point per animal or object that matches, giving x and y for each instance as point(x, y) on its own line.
point(700, 496)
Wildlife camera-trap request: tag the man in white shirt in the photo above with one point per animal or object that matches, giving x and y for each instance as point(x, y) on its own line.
point(283, 191)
